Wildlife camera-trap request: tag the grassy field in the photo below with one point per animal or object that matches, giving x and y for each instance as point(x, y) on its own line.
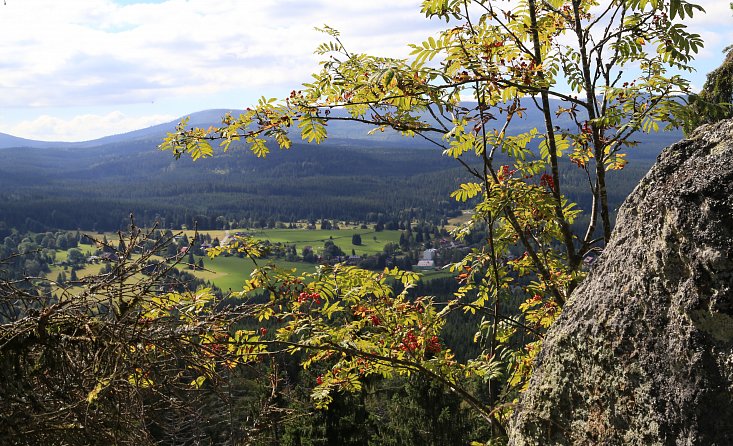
point(229, 273)
point(89, 269)
point(372, 242)
point(427, 276)
point(457, 221)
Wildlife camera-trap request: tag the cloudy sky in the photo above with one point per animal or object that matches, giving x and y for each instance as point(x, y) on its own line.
point(80, 69)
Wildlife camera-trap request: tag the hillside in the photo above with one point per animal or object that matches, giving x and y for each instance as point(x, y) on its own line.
point(352, 176)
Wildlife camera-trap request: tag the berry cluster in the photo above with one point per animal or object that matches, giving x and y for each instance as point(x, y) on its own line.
point(409, 342)
point(218, 346)
point(291, 287)
point(547, 181)
point(367, 313)
point(550, 308)
point(433, 344)
point(305, 297)
point(505, 173)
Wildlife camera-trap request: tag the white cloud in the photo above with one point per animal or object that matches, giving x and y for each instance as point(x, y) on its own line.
point(113, 54)
point(81, 52)
point(59, 57)
point(83, 127)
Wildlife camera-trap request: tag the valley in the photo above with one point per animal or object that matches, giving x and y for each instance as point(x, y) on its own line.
point(95, 185)
point(71, 266)
point(374, 205)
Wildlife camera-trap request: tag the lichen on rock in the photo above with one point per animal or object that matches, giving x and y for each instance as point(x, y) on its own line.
point(643, 352)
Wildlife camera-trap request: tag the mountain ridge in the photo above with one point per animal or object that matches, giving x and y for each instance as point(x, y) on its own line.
point(339, 132)
point(351, 176)
point(200, 118)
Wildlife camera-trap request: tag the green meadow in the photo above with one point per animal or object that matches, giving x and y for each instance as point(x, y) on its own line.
point(372, 242)
point(230, 273)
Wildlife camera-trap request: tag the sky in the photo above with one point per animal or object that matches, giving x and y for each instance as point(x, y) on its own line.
point(73, 70)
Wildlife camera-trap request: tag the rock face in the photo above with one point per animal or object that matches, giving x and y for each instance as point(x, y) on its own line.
point(643, 352)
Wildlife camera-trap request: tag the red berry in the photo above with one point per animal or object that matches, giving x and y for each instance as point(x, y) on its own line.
point(548, 181)
point(434, 345)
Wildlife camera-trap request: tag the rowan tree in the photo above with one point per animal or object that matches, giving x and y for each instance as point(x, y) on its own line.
point(596, 72)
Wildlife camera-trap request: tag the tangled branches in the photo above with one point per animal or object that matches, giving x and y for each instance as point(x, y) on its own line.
point(121, 357)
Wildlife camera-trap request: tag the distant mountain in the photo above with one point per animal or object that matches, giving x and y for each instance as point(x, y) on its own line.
point(354, 176)
point(341, 133)
point(7, 141)
point(153, 133)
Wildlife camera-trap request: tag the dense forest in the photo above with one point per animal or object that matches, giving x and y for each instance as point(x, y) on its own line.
point(96, 187)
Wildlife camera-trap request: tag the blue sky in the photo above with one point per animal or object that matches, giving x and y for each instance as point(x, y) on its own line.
point(80, 69)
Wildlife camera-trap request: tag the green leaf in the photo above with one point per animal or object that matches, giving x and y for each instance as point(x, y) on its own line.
point(198, 382)
point(200, 149)
point(467, 191)
point(312, 129)
point(561, 145)
point(258, 147)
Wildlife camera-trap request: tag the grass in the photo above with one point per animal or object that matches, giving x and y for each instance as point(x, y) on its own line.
point(224, 272)
point(372, 242)
point(458, 221)
point(89, 269)
point(229, 273)
point(427, 276)
point(61, 256)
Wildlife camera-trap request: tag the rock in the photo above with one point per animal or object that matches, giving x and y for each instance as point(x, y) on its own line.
point(643, 352)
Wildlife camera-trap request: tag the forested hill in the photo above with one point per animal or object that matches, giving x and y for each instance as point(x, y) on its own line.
point(354, 176)
point(340, 132)
point(155, 134)
point(97, 188)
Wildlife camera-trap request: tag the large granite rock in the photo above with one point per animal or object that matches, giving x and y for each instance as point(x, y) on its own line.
point(643, 352)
